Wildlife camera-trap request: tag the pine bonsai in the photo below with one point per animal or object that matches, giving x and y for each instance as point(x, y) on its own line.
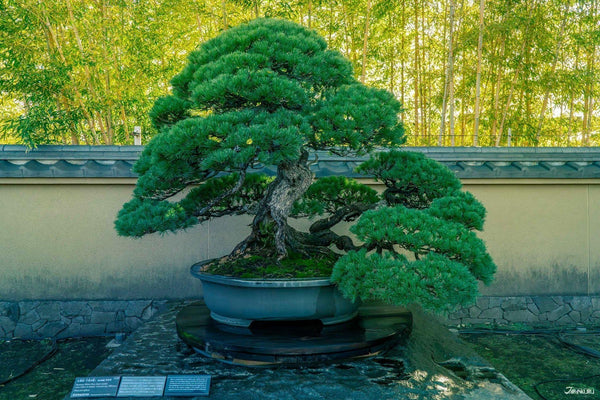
point(267, 93)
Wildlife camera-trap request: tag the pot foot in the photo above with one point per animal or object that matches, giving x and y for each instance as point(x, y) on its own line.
point(243, 323)
point(339, 319)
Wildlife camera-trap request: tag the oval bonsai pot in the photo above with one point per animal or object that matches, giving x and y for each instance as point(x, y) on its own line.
point(239, 301)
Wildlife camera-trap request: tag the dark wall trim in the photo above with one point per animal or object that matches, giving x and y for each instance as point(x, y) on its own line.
point(466, 162)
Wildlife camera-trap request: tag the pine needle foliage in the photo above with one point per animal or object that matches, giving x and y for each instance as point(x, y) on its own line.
point(424, 248)
point(268, 92)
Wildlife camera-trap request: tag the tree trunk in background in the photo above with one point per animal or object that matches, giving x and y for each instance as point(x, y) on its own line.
point(444, 100)
point(478, 78)
point(496, 90)
point(224, 13)
point(391, 59)
point(552, 71)
point(422, 86)
point(513, 83)
point(451, 71)
point(416, 71)
point(365, 42)
point(403, 48)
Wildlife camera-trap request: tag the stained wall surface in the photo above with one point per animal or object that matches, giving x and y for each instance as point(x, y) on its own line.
point(57, 239)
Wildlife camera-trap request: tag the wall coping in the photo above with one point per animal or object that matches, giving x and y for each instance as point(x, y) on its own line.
point(53, 161)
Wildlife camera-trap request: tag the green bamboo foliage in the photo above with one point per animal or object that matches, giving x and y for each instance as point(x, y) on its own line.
point(87, 71)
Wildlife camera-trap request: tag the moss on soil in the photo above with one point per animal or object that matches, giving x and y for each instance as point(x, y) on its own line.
point(268, 267)
point(54, 378)
point(529, 359)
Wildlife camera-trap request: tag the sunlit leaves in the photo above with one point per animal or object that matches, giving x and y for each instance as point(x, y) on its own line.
point(261, 92)
point(411, 178)
point(427, 219)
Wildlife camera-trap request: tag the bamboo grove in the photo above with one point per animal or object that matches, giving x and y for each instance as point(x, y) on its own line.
point(468, 72)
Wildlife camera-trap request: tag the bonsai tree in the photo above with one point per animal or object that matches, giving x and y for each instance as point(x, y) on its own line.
point(267, 93)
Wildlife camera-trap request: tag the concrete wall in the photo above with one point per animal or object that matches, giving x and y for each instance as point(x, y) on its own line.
point(543, 235)
point(57, 240)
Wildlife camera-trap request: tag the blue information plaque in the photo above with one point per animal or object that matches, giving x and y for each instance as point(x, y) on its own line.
point(95, 386)
point(142, 386)
point(187, 385)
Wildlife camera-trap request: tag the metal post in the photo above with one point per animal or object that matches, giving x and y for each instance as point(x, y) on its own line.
point(137, 135)
point(509, 137)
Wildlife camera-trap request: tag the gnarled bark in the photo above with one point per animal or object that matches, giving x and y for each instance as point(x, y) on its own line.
point(293, 179)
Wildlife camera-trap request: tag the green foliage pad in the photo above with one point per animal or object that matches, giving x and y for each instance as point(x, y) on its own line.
point(268, 92)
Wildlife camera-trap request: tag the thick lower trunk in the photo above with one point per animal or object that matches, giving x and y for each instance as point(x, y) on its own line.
point(293, 179)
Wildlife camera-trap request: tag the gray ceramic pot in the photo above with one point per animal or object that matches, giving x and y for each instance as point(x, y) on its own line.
point(239, 302)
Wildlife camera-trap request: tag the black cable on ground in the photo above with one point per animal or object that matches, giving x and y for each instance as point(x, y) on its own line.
point(578, 348)
point(53, 350)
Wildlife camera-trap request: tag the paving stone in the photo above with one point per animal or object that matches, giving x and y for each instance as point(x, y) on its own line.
point(75, 309)
point(557, 313)
point(533, 308)
point(154, 349)
point(51, 329)
point(474, 312)
point(26, 306)
point(38, 324)
point(30, 317)
point(102, 317)
point(585, 314)
point(72, 330)
point(514, 304)
point(491, 313)
point(495, 301)
point(483, 302)
point(558, 300)
point(7, 325)
point(565, 320)
point(49, 311)
point(581, 303)
point(136, 308)
point(10, 310)
point(545, 303)
point(116, 327)
point(23, 331)
point(109, 305)
point(520, 316)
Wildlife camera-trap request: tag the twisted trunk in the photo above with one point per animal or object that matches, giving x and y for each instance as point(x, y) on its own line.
point(293, 179)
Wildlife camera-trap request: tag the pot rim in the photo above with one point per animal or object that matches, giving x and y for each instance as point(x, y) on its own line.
point(196, 271)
